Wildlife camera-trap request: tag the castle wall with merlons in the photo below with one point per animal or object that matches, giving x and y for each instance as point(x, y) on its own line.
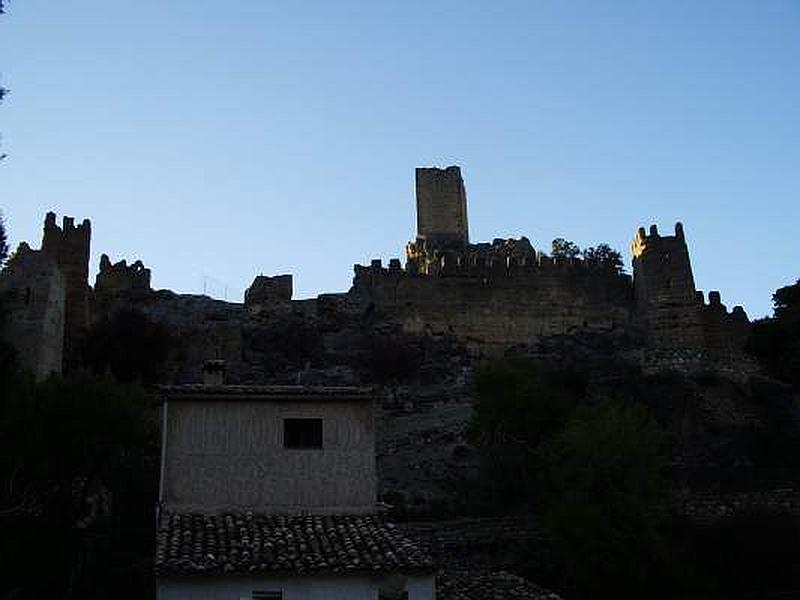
point(500, 306)
point(670, 310)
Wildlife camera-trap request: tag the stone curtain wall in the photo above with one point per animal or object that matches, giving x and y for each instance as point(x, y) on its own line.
point(227, 453)
point(500, 306)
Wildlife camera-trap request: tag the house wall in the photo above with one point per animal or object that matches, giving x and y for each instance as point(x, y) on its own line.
point(420, 587)
point(229, 453)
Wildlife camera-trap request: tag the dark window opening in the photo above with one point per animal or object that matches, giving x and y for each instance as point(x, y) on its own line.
point(28, 296)
point(302, 433)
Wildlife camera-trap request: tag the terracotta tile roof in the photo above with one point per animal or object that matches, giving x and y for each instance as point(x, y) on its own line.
point(246, 543)
point(197, 391)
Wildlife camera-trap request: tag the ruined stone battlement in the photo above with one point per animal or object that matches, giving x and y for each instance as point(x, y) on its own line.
point(715, 305)
point(496, 300)
point(505, 292)
point(68, 233)
point(486, 266)
point(489, 296)
point(644, 242)
point(671, 310)
point(120, 278)
point(69, 247)
point(269, 292)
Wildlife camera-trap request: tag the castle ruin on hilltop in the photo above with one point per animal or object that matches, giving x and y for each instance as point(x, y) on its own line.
point(505, 292)
point(488, 296)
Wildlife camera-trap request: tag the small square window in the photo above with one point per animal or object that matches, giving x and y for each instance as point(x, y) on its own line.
point(301, 434)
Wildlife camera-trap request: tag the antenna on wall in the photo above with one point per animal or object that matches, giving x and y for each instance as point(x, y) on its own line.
point(216, 288)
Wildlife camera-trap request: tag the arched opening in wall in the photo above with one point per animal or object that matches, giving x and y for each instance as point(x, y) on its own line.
point(28, 296)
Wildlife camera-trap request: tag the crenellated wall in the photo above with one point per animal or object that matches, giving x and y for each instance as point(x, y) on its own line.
point(497, 302)
point(488, 295)
point(722, 330)
point(669, 308)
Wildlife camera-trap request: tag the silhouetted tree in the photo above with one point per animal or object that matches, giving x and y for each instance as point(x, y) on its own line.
point(562, 248)
point(601, 482)
point(128, 345)
point(3, 241)
point(78, 465)
point(3, 91)
point(519, 405)
point(604, 256)
point(775, 341)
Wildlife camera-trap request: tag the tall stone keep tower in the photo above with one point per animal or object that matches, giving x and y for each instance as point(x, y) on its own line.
point(68, 247)
point(441, 206)
point(667, 303)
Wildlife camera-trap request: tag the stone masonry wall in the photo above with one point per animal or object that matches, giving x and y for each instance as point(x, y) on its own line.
point(68, 246)
point(670, 309)
point(498, 305)
point(121, 279)
point(441, 205)
point(33, 291)
point(266, 292)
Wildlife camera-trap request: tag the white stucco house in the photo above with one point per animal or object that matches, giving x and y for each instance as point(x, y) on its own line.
point(269, 493)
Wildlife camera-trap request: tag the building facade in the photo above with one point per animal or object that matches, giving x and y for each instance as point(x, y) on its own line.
point(270, 492)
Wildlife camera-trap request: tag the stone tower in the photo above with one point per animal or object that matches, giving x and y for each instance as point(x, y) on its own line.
point(33, 293)
point(441, 206)
point(667, 304)
point(68, 247)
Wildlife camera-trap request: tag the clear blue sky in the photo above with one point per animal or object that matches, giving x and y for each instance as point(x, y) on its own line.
point(234, 138)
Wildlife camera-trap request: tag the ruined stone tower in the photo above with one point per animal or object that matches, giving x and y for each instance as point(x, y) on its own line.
point(33, 293)
point(666, 298)
point(441, 206)
point(68, 247)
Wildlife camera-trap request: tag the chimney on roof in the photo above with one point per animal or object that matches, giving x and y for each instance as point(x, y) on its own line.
point(214, 372)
